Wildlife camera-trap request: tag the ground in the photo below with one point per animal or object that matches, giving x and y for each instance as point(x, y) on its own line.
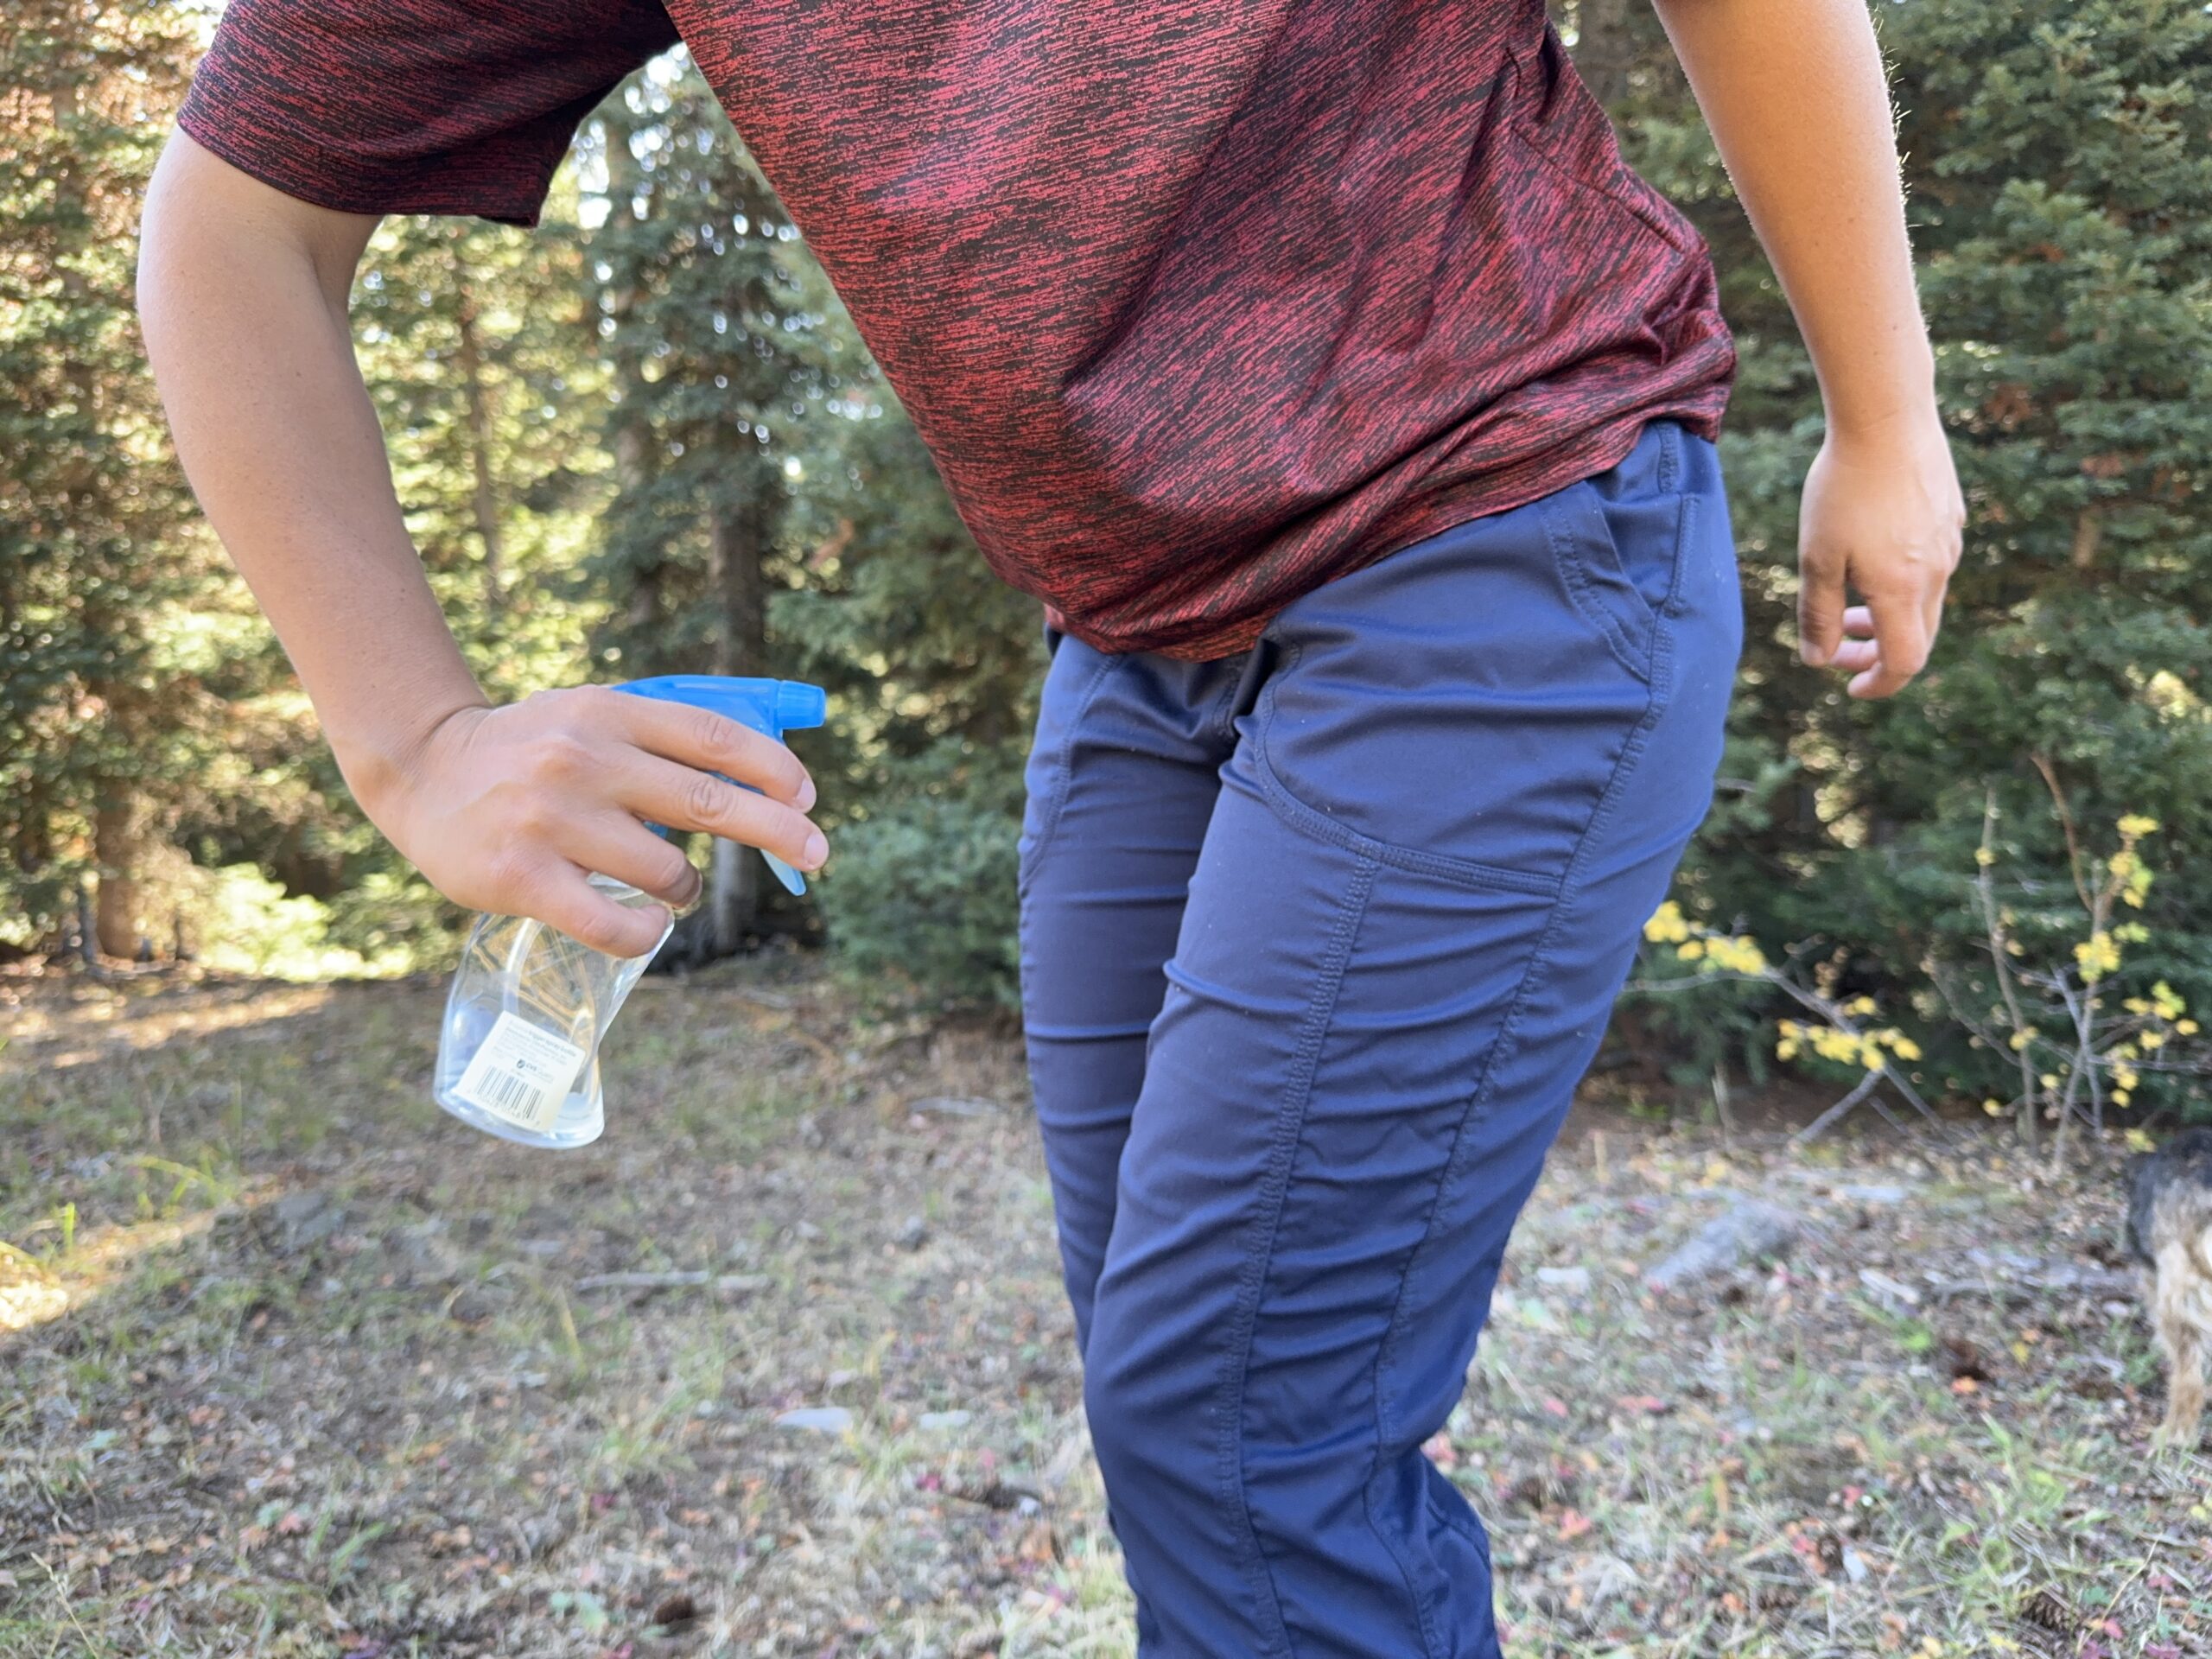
point(291, 1364)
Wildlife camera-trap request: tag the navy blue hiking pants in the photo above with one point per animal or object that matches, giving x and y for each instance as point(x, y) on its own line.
point(1317, 940)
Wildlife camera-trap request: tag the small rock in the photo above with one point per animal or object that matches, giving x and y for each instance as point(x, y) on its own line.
point(1893, 1293)
point(912, 1233)
point(1877, 1194)
point(1526, 1310)
point(678, 1609)
point(306, 1218)
point(424, 1252)
point(956, 1106)
point(1744, 1232)
point(932, 1421)
point(471, 1306)
point(1070, 1456)
point(819, 1419)
point(1574, 1280)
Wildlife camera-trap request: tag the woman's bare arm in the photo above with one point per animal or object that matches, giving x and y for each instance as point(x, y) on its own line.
point(1795, 94)
point(243, 297)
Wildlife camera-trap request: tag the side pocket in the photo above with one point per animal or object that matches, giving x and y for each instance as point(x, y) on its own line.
point(1070, 687)
point(1618, 539)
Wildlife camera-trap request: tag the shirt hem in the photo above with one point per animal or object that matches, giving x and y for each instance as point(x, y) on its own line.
point(1587, 455)
point(314, 187)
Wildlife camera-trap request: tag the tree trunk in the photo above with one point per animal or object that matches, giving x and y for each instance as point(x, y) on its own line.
point(486, 501)
point(88, 949)
point(632, 467)
point(2088, 536)
point(632, 443)
point(118, 841)
point(1604, 48)
point(740, 647)
point(1616, 39)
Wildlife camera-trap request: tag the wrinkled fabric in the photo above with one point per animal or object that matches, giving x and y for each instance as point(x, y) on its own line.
point(1317, 941)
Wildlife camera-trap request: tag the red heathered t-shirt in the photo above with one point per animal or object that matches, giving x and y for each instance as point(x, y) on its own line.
point(1197, 303)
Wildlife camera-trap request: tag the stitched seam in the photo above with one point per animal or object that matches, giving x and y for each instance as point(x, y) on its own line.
point(1463, 871)
point(1274, 1188)
point(1684, 523)
point(1421, 1614)
point(1063, 766)
point(1311, 822)
point(1480, 1100)
point(1459, 1521)
point(1569, 562)
point(1223, 722)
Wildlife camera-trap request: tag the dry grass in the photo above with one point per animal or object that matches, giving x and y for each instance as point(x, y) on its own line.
point(291, 1365)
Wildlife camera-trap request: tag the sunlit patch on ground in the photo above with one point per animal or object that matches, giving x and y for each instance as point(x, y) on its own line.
point(27, 1296)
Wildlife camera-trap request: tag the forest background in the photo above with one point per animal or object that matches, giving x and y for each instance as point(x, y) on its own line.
point(645, 438)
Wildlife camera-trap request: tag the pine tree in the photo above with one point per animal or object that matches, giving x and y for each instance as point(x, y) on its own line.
point(2059, 186)
point(717, 365)
point(108, 636)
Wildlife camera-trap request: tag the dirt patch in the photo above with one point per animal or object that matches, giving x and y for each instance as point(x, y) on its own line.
point(294, 1364)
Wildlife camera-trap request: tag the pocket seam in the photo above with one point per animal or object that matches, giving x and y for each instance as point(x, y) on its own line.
point(1566, 554)
point(1060, 766)
point(1311, 821)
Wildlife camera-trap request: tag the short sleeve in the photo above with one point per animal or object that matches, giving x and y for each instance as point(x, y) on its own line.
point(413, 106)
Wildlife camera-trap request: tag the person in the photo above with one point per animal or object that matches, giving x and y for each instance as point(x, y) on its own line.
point(1351, 407)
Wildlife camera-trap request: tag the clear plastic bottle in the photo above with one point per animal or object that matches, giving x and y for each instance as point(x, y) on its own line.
point(530, 1007)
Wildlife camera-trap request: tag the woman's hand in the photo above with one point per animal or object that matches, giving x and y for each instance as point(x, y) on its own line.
point(1882, 514)
point(505, 809)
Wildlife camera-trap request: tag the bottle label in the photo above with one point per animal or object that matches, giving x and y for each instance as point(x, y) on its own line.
point(521, 1074)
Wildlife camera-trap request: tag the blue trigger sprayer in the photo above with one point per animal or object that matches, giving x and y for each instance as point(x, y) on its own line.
point(518, 1052)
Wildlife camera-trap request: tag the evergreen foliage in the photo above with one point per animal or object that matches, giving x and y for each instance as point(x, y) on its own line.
point(645, 438)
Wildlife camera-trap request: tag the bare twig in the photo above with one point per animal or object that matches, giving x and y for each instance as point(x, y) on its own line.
point(726, 1284)
point(2019, 1286)
point(1837, 1113)
point(2001, 958)
point(2066, 823)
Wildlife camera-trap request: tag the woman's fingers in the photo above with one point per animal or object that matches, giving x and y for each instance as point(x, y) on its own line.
point(1881, 515)
point(706, 741)
point(556, 893)
point(1901, 641)
point(1819, 603)
point(617, 845)
point(684, 798)
point(509, 807)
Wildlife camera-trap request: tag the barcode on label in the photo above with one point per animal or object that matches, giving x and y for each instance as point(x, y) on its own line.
point(521, 1074)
